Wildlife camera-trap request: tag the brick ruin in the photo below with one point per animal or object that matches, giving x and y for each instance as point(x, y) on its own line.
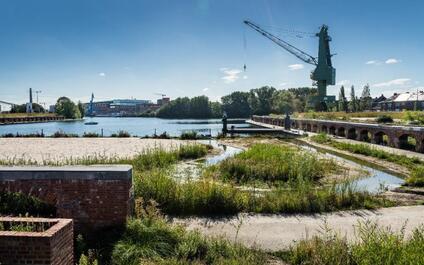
point(51, 246)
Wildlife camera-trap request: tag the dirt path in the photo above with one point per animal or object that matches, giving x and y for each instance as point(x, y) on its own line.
point(277, 232)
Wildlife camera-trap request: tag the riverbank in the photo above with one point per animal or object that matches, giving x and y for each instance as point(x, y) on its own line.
point(19, 118)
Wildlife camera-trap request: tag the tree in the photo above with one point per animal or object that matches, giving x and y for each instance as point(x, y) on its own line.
point(365, 102)
point(342, 100)
point(263, 98)
point(353, 100)
point(195, 108)
point(67, 108)
point(81, 108)
point(236, 105)
point(37, 108)
point(283, 102)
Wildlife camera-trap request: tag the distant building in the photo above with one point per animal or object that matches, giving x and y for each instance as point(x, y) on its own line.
point(403, 101)
point(163, 101)
point(376, 102)
point(121, 107)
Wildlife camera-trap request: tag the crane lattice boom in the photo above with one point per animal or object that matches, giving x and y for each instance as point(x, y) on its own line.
point(283, 44)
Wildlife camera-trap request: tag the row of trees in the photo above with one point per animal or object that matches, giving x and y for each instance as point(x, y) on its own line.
point(355, 104)
point(195, 108)
point(259, 101)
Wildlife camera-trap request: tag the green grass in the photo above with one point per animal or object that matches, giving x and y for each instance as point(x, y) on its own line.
point(416, 177)
point(151, 240)
point(374, 245)
point(275, 163)
point(367, 150)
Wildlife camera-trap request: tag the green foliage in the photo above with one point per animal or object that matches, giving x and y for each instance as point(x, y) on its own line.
point(152, 240)
point(90, 135)
point(365, 102)
point(121, 134)
point(67, 108)
point(62, 134)
point(36, 108)
point(321, 138)
point(414, 117)
point(343, 104)
point(195, 108)
point(15, 203)
point(416, 177)
point(384, 119)
point(272, 163)
point(367, 150)
point(374, 245)
point(191, 135)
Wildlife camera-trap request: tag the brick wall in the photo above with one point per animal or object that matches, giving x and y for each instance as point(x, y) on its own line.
point(95, 197)
point(53, 246)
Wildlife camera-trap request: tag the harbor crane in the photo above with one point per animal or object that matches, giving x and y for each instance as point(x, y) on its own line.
point(324, 73)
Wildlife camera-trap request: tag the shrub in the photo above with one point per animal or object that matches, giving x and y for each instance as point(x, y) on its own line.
point(91, 135)
point(191, 135)
point(384, 119)
point(62, 134)
point(121, 133)
point(321, 138)
point(416, 177)
point(15, 203)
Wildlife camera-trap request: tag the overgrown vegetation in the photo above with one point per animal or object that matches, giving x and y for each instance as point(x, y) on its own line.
point(384, 118)
point(149, 239)
point(374, 245)
point(121, 133)
point(273, 163)
point(367, 150)
point(416, 177)
point(16, 203)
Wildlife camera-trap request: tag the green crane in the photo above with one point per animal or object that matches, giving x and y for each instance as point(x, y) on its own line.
point(324, 73)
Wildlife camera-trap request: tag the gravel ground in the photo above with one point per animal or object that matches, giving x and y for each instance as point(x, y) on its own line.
point(61, 149)
point(277, 232)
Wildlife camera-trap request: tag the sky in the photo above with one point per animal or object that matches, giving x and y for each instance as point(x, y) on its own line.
point(134, 49)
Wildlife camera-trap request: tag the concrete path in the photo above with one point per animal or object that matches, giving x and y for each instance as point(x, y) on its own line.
point(277, 232)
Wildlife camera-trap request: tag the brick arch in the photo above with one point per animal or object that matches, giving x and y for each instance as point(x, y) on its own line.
point(406, 141)
point(332, 130)
point(324, 129)
point(308, 127)
point(351, 134)
point(379, 138)
point(364, 135)
point(341, 131)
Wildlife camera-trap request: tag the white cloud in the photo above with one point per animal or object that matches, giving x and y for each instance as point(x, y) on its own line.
point(297, 66)
point(102, 74)
point(392, 61)
point(372, 62)
point(395, 82)
point(230, 75)
point(245, 77)
point(205, 89)
point(283, 84)
point(343, 83)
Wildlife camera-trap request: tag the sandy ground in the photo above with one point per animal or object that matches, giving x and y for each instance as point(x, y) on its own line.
point(278, 232)
point(61, 149)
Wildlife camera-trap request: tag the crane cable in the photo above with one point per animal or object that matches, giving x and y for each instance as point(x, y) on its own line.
point(244, 49)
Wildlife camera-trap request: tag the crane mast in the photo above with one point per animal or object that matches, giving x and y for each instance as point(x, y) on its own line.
point(324, 73)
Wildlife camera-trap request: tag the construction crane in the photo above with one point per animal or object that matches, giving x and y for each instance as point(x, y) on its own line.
point(324, 73)
point(160, 94)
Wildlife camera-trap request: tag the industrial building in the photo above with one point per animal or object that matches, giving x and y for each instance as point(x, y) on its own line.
point(123, 107)
point(403, 101)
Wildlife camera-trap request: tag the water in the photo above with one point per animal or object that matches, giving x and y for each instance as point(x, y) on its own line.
point(378, 179)
point(135, 126)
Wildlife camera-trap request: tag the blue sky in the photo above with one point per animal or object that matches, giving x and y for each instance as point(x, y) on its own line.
point(124, 49)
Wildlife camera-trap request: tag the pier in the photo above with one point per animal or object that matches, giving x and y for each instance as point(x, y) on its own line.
point(29, 119)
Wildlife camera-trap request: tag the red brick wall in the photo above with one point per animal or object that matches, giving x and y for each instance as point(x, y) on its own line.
point(91, 203)
point(55, 246)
